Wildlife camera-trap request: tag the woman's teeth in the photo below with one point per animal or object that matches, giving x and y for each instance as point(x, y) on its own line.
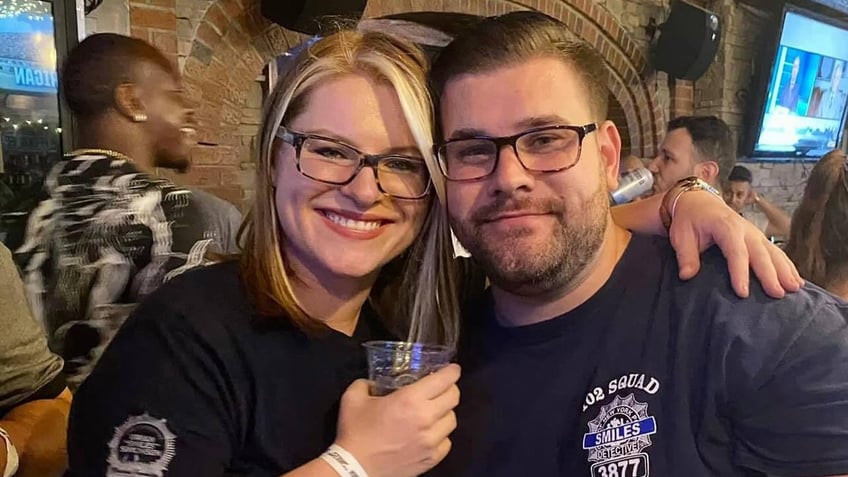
point(360, 225)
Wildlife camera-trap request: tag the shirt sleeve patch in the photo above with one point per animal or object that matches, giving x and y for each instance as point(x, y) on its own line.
point(141, 446)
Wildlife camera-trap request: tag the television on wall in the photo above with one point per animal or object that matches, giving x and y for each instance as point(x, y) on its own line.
point(802, 108)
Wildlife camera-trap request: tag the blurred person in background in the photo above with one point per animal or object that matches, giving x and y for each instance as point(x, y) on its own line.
point(740, 194)
point(111, 231)
point(220, 221)
point(630, 163)
point(34, 399)
point(700, 146)
point(818, 240)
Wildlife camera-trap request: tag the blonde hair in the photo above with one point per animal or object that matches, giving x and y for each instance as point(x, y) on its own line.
point(423, 303)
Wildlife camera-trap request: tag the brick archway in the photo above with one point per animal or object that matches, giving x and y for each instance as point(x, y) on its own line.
point(590, 22)
point(233, 42)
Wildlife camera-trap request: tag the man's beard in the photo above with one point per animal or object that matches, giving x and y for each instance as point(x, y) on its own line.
point(180, 165)
point(552, 264)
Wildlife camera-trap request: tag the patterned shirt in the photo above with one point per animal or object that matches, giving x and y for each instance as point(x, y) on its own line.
point(106, 236)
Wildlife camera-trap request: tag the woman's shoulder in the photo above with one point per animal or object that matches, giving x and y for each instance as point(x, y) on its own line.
point(202, 295)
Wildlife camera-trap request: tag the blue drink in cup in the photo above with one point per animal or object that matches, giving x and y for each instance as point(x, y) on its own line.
point(393, 364)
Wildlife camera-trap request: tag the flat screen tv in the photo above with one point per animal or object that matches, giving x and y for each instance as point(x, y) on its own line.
point(802, 112)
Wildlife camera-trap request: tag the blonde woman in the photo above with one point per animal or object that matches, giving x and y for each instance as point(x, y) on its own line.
point(245, 368)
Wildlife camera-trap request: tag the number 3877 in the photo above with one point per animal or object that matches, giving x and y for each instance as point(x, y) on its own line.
point(629, 466)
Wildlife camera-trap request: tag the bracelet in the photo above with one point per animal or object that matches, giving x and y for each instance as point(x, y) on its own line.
point(669, 205)
point(11, 455)
point(343, 462)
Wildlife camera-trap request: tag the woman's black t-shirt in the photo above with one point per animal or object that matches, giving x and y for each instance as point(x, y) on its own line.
point(192, 386)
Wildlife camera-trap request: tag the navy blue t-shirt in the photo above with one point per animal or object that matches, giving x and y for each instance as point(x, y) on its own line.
point(654, 376)
point(194, 386)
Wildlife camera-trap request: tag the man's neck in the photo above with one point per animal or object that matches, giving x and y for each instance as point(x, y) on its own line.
point(120, 136)
point(516, 310)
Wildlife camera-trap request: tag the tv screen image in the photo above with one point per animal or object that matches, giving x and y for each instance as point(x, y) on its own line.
point(27, 52)
point(804, 110)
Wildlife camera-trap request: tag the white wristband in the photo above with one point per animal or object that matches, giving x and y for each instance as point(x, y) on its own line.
point(343, 462)
point(11, 455)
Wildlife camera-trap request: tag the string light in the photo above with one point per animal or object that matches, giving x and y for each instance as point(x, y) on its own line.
point(30, 123)
point(33, 9)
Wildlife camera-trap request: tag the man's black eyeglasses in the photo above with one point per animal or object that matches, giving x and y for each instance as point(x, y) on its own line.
point(542, 149)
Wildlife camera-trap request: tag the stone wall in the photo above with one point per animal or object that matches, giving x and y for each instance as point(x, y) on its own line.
point(223, 45)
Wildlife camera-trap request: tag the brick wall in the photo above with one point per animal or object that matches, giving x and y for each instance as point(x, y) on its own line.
point(726, 90)
point(112, 16)
point(222, 45)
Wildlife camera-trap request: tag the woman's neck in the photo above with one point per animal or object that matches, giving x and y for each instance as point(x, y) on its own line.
point(335, 301)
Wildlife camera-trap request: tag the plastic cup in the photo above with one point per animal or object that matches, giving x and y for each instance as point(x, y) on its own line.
point(394, 364)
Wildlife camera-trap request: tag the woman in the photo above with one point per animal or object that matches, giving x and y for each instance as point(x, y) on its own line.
point(238, 368)
point(818, 239)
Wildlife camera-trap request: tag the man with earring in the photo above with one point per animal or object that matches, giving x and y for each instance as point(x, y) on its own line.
point(111, 231)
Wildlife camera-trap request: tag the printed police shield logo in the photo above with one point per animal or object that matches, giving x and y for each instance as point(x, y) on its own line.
point(141, 446)
point(622, 428)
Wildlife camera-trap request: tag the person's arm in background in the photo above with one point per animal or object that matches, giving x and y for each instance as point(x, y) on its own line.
point(34, 400)
point(702, 220)
point(779, 221)
point(37, 429)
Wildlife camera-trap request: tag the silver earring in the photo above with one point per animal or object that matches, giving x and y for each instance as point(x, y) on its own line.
point(139, 117)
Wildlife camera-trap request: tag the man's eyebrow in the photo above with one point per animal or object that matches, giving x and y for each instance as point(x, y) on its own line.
point(526, 123)
point(541, 121)
point(467, 133)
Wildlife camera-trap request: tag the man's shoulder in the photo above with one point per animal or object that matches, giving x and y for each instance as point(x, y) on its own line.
point(713, 294)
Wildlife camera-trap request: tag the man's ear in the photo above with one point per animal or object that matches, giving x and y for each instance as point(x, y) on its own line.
point(128, 102)
point(609, 142)
point(708, 171)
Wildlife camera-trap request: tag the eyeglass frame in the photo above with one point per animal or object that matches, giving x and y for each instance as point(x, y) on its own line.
point(297, 139)
point(500, 142)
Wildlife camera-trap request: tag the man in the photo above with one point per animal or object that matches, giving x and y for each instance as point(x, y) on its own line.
point(111, 231)
point(589, 356)
point(739, 194)
point(699, 146)
point(790, 94)
point(34, 400)
point(829, 102)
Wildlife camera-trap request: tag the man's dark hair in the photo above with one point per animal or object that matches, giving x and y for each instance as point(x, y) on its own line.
point(713, 141)
point(99, 64)
point(516, 37)
point(741, 174)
